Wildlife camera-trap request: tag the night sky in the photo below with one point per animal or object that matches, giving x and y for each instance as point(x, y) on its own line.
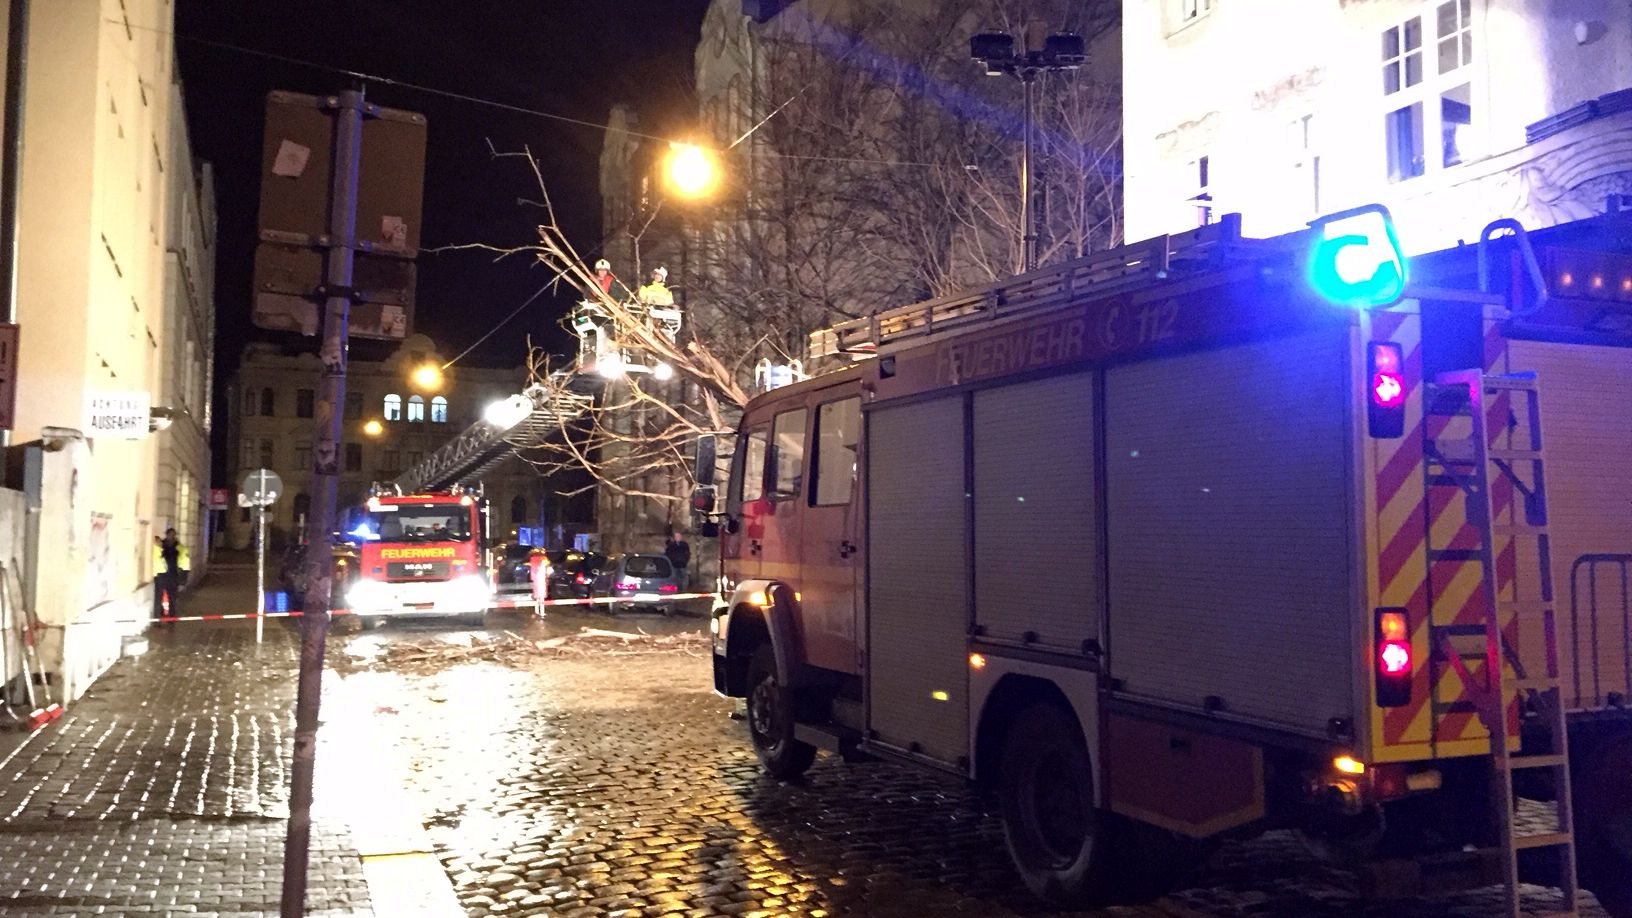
point(567, 57)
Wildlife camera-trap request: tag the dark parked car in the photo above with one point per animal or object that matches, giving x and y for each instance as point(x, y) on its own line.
point(573, 575)
point(513, 568)
point(638, 581)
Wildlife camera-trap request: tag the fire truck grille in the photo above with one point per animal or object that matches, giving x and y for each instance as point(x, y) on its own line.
point(417, 570)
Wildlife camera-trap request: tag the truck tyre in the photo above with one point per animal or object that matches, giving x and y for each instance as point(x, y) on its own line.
point(770, 719)
point(1046, 795)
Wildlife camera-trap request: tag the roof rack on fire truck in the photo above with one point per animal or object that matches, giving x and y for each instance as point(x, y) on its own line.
point(507, 427)
point(1098, 274)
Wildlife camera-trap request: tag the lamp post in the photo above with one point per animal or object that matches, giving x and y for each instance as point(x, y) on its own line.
point(996, 52)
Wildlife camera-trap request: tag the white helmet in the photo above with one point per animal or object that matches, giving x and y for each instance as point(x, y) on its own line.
point(603, 265)
point(661, 273)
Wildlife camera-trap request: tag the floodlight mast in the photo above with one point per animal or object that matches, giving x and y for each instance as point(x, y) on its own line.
point(996, 52)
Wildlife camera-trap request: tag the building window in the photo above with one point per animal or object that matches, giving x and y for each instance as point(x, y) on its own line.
point(249, 402)
point(1419, 105)
point(1191, 10)
point(1305, 163)
point(1402, 56)
point(414, 458)
point(1404, 137)
point(518, 510)
point(267, 403)
point(393, 407)
point(354, 457)
point(246, 454)
point(267, 453)
point(302, 507)
point(303, 457)
point(354, 406)
point(416, 408)
point(391, 460)
point(1455, 35)
point(1202, 199)
point(439, 410)
point(305, 400)
point(1456, 123)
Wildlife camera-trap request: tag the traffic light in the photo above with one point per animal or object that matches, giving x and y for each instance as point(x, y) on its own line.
point(1356, 260)
point(1385, 390)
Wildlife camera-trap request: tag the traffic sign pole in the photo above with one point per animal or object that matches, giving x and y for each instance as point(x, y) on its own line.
point(349, 108)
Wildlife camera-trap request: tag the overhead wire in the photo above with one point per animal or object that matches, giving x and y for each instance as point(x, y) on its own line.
point(514, 109)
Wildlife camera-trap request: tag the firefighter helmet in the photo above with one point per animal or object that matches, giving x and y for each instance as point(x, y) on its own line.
point(603, 265)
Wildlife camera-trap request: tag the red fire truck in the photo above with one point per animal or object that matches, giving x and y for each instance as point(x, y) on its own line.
point(422, 555)
point(1207, 535)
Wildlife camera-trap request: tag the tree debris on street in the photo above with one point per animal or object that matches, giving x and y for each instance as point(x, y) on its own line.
point(513, 650)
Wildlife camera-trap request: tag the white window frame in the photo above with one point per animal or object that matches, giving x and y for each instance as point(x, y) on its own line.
point(1189, 12)
point(1430, 91)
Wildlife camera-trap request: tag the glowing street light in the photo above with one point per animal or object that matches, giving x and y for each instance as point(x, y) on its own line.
point(427, 377)
point(373, 428)
point(691, 170)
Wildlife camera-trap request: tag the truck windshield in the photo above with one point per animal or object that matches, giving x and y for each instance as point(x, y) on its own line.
point(416, 523)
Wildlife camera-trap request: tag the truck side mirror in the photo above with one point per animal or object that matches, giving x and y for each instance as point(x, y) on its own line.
point(709, 529)
point(703, 474)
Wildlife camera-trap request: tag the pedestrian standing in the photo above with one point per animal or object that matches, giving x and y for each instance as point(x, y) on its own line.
point(679, 555)
point(167, 583)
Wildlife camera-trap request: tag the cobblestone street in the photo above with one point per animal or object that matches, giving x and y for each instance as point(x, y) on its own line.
point(164, 791)
point(618, 785)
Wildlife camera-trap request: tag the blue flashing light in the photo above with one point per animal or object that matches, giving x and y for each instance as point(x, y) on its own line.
point(363, 532)
point(1356, 258)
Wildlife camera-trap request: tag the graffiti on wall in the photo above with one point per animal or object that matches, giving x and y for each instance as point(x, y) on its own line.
point(99, 561)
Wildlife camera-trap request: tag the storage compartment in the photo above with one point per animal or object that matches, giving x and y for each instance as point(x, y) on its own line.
point(918, 578)
point(1037, 564)
point(1230, 529)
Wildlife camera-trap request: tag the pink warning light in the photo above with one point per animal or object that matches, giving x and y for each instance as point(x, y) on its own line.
point(1395, 657)
point(1387, 389)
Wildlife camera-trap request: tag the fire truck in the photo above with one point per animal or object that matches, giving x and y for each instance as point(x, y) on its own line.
point(1207, 535)
point(422, 555)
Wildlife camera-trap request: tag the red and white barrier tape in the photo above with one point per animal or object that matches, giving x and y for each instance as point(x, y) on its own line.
point(496, 604)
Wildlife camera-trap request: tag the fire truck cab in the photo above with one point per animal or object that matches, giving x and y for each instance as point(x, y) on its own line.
point(422, 555)
point(1209, 535)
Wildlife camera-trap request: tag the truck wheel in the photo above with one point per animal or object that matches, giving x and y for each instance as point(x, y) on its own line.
point(770, 719)
point(474, 619)
point(1046, 795)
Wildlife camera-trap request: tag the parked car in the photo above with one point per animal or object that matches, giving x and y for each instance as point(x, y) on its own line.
point(573, 576)
point(637, 581)
point(513, 570)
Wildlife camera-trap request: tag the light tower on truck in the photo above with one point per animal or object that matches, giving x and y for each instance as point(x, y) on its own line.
point(1059, 52)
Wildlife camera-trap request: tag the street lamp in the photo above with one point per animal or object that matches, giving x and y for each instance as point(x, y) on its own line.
point(996, 52)
point(373, 428)
point(690, 170)
point(427, 377)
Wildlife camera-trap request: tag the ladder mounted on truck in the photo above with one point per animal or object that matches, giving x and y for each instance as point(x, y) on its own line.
point(1462, 466)
point(1096, 275)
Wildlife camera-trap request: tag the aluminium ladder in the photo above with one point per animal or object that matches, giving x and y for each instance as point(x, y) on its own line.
point(1464, 464)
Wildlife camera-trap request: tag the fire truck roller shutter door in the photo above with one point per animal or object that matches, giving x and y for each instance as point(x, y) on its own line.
point(1228, 508)
point(918, 578)
point(1036, 548)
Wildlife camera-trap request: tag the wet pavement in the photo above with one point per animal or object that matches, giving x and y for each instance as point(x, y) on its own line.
point(164, 791)
point(607, 786)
